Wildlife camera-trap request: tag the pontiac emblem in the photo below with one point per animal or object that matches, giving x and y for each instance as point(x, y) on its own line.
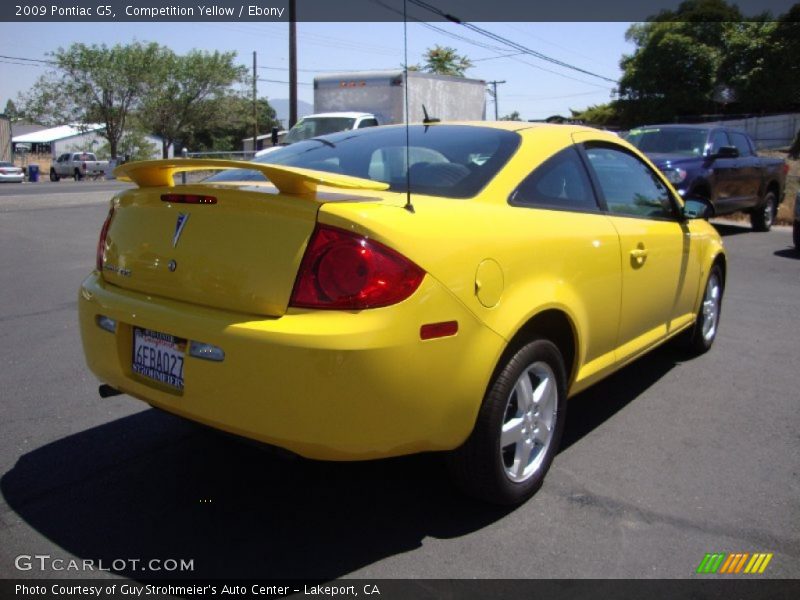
point(179, 225)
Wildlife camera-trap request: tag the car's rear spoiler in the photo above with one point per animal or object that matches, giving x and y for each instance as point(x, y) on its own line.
point(288, 180)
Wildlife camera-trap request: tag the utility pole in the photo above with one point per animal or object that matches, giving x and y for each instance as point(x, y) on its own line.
point(494, 95)
point(292, 63)
point(255, 106)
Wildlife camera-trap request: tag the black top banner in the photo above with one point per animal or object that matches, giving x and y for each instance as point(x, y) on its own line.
point(354, 10)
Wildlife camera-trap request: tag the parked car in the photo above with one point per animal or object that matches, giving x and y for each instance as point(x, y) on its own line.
point(78, 165)
point(718, 164)
point(11, 174)
point(330, 301)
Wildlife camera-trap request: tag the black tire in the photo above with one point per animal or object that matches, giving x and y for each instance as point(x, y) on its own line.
point(53, 175)
point(796, 235)
point(78, 175)
point(763, 216)
point(485, 470)
point(706, 326)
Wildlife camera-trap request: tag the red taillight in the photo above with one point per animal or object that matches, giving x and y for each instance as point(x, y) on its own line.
point(188, 199)
point(785, 168)
point(343, 270)
point(101, 243)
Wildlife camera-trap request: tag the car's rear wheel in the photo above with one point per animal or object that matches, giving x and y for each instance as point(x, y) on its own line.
point(518, 430)
point(707, 322)
point(796, 234)
point(53, 175)
point(762, 218)
point(78, 175)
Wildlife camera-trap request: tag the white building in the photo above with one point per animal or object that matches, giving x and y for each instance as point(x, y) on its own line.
point(73, 138)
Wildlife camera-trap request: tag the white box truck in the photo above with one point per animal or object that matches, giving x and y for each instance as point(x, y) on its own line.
point(382, 93)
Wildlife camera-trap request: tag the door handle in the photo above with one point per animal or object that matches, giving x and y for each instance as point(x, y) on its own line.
point(638, 255)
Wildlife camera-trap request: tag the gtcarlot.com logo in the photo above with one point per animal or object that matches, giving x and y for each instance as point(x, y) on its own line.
point(734, 563)
point(45, 562)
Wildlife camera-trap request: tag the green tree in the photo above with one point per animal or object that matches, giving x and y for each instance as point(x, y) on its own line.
point(514, 116)
point(94, 84)
point(234, 123)
point(706, 55)
point(133, 144)
point(11, 112)
point(188, 93)
point(671, 73)
point(598, 114)
point(444, 60)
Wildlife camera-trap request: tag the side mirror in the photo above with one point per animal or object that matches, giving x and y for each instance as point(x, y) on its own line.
point(725, 152)
point(698, 208)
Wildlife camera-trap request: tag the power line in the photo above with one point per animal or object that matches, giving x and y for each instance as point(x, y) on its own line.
point(302, 70)
point(513, 55)
point(34, 60)
point(286, 82)
point(510, 43)
point(24, 64)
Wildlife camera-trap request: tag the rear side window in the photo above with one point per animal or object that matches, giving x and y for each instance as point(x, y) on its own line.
point(560, 182)
point(629, 186)
point(742, 143)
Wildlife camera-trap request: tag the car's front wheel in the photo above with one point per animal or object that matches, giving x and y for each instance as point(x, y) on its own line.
point(707, 322)
point(796, 234)
point(763, 217)
point(518, 430)
point(53, 175)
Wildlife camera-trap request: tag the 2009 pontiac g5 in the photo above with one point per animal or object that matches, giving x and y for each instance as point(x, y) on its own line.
point(381, 292)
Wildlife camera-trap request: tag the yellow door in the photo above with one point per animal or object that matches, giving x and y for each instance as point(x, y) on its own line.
point(654, 245)
point(653, 273)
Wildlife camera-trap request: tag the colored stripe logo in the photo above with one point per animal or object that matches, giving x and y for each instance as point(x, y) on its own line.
point(734, 563)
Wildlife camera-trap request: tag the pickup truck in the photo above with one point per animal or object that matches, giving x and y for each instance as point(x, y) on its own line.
point(717, 164)
point(322, 124)
point(77, 165)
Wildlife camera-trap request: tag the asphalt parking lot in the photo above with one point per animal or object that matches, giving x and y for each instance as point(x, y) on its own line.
point(662, 463)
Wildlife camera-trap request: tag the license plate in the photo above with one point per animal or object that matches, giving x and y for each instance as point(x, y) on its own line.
point(159, 356)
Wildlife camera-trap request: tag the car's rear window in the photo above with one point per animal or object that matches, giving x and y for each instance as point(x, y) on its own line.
point(454, 161)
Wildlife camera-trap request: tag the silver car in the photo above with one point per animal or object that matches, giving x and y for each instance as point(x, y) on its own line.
point(10, 173)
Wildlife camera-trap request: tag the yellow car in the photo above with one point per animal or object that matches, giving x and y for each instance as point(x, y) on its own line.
point(335, 303)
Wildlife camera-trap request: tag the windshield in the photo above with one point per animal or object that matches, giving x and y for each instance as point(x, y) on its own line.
point(454, 161)
point(670, 140)
point(312, 127)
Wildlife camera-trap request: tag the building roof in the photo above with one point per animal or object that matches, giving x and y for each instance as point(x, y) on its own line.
point(23, 127)
point(46, 136)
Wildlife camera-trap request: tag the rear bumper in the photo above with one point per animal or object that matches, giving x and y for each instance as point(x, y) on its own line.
point(329, 385)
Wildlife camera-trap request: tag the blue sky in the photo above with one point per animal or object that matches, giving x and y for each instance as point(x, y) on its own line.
point(535, 88)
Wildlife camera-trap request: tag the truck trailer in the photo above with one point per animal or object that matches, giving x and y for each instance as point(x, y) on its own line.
point(382, 93)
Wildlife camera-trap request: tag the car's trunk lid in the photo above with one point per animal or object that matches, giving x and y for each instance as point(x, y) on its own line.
point(234, 247)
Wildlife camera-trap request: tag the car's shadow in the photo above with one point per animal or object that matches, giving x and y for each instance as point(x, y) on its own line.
point(590, 409)
point(793, 253)
point(151, 486)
